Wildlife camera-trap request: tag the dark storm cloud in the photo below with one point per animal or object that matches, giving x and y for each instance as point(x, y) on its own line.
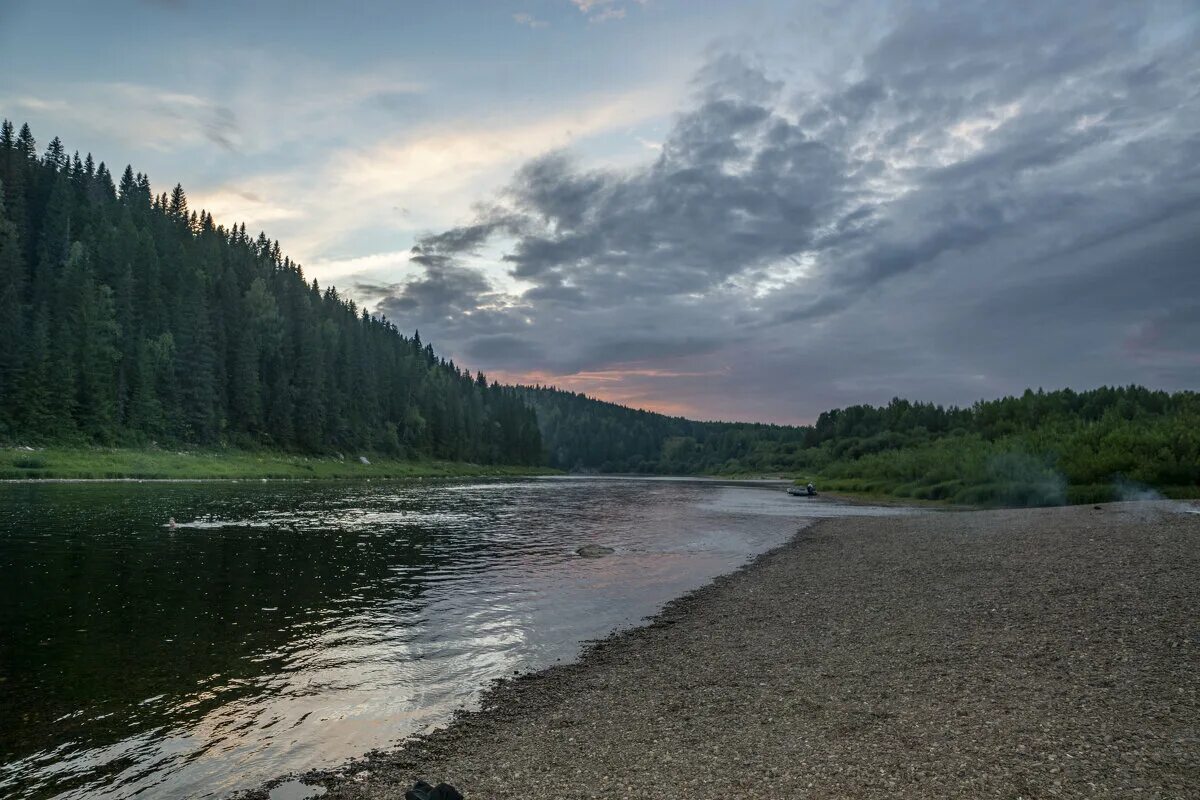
point(444, 291)
point(736, 186)
point(459, 240)
point(504, 350)
point(221, 127)
point(1001, 157)
point(373, 289)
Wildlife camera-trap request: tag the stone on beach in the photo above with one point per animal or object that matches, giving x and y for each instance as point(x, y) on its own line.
point(1016, 653)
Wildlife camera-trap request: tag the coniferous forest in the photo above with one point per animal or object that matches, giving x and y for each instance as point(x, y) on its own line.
point(129, 318)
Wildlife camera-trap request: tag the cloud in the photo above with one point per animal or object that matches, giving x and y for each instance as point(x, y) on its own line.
point(150, 116)
point(236, 109)
point(959, 212)
point(436, 170)
point(238, 204)
point(610, 13)
point(599, 11)
point(530, 21)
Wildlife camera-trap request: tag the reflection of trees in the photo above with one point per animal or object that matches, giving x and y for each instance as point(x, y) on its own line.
point(424, 591)
point(102, 609)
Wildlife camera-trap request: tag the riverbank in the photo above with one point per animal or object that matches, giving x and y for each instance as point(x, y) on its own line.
point(1002, 494)
point(152, 464)
point(1031, 653)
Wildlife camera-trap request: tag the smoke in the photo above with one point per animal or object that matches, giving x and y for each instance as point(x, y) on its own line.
point(1128, 491)
point(1021, 479)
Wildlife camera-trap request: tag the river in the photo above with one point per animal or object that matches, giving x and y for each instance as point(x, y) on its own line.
point(285, 626)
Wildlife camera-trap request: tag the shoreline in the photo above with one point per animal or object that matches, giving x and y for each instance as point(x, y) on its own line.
point(20, 465)
point(498, 696)
point(983, 653)
point(297, 479)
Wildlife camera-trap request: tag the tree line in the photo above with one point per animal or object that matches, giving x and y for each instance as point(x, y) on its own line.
point(1039, 448)
point(128, 318)
point(582, 434)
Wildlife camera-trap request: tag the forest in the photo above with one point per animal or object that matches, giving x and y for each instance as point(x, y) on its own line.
point(127, 318)
point(1042, 448)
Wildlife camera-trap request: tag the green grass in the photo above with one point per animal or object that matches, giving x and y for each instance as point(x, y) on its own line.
point(991, 494)
point(122, 463)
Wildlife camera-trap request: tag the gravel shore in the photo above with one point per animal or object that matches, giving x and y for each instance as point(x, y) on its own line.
point(992, 654)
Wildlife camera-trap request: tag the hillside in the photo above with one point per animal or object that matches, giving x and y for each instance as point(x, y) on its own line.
point(128, 318)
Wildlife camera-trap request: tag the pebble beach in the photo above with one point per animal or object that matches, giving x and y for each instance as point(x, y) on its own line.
point(983, 654)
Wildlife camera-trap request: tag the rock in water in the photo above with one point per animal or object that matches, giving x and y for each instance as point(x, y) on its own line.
point(594, 550)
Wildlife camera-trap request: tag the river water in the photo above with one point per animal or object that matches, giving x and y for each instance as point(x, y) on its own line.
point(287, 626)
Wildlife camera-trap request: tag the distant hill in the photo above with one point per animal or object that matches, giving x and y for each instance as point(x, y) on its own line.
point(587, 435)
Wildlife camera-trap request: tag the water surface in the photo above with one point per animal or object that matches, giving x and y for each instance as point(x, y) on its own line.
point(286, 626)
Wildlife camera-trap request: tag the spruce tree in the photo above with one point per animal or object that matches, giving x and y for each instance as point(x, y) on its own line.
point(26, 145)
point(196, 419)
point(32, 404)
point(126, 316)
point(56, 155)
point(12, 328)
point(91, 318)
point(128, 190)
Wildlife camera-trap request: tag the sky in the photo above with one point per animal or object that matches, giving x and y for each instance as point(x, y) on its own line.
point(750, 210)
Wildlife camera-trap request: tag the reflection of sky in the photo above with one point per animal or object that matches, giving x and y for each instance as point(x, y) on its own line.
point(494, 587)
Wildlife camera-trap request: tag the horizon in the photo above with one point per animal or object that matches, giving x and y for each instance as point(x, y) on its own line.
point(715, 229)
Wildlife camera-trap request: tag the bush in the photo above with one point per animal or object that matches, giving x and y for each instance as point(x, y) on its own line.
point(29, 462)
point(1091, 493)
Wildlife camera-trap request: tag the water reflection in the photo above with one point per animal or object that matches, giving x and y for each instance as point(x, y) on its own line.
point(286, 626)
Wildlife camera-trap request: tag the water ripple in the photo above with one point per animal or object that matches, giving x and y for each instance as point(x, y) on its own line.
point(287, 626)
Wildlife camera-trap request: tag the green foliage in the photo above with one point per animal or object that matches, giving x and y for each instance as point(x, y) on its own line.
point(150, 463)
point(586, 435)
point(1043, 448)
point(127, 318)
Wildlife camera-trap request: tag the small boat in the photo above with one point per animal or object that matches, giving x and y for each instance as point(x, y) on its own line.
point(802, 491)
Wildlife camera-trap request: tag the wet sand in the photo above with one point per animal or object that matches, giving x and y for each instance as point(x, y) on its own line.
point(991, 654)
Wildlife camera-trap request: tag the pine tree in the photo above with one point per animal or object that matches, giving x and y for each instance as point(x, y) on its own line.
point(155, 369)
point(92, 320)
point(104, 189)
point(54, 243)
point(26, 145)
point(33, 410)
point(196, 419)
point(56, 155)
point(12, 329)
point(128, 189)
point(128, 317)
point(143, 195)
point(14, 169)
